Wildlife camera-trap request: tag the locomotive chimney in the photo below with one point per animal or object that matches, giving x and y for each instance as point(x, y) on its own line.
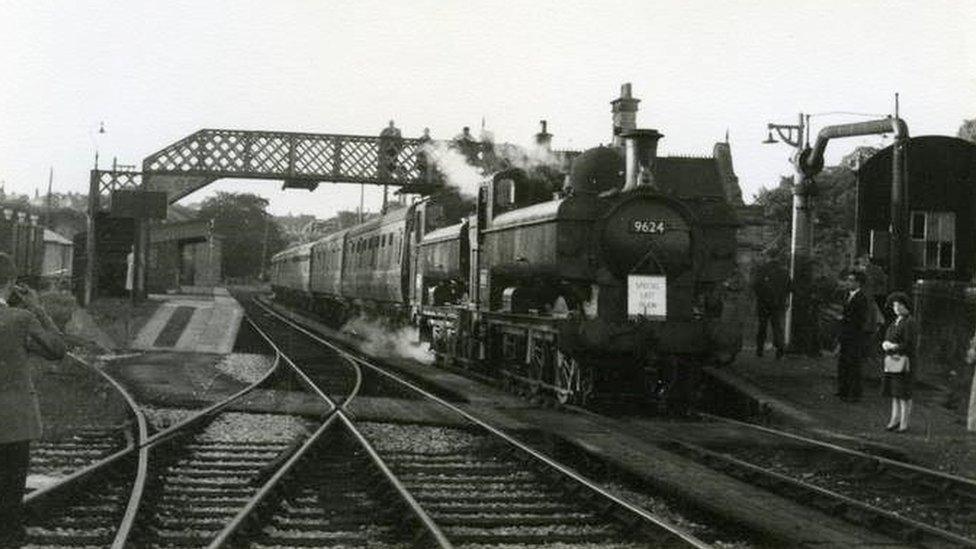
point(641, 148)
point(624, 110)
point(543, 139)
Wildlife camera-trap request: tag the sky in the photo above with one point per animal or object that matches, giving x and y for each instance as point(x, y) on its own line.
point(154, 72)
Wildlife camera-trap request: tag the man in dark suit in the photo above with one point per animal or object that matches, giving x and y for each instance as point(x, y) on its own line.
point(853, 338)
point(771, 284)
point(24, 329)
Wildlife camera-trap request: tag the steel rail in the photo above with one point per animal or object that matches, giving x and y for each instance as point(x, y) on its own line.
point(128, 520)
point(142, 445)
point(41, 499)
point(970, 483)
point(239, 520)
point(304, 378)
point(912, 525)
point(267, 489)
point(675, 531)
point(209, 411)
point(355, 390)
point(432, 528)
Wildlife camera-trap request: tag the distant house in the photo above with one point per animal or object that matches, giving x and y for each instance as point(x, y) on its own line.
point(58, 253)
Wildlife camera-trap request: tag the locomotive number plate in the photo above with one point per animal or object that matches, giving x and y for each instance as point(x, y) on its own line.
point(646, 226)
point(647, 296)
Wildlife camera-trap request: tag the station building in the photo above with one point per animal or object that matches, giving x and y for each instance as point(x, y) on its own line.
point(183, 255)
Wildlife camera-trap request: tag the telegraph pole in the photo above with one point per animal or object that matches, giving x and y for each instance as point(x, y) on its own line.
point(264, 246)
point(801, 242)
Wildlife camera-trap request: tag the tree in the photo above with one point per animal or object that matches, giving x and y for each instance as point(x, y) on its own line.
point(249, 232)
point(967, 130)
point(834, 206)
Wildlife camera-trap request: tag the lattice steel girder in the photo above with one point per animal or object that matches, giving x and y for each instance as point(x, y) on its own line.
point(215, 154)
point(106, 181)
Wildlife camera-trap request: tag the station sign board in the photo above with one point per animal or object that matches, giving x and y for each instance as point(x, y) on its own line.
point(647, 297)
point(139, 204)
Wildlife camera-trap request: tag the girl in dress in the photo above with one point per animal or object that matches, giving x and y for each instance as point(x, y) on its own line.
point(900, 341)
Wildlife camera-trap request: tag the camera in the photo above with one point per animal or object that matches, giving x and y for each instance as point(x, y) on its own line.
point(17, 294)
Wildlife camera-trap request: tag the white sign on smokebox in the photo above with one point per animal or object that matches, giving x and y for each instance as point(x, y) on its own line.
point(647, 296)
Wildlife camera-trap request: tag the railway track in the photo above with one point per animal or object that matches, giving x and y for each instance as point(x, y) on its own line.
point(468, 486)
point(914, 504)
point(69, 512)
point(173, 488)
point(62, 456)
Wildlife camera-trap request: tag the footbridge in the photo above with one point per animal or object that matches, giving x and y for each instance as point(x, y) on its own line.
point(299, 160)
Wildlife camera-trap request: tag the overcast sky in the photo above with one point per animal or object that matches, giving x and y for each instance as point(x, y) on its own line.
point(157, 71)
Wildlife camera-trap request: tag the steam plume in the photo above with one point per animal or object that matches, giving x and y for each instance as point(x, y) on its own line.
point(528, 158)
point(376, 339)
point(460, 175)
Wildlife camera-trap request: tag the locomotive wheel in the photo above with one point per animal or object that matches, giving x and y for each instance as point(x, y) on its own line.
point(575, 381)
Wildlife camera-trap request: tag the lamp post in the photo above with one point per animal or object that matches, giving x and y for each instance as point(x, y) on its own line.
point(93, 199)
point(801, 242)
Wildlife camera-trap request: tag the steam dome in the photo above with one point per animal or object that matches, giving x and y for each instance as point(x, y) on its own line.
point(597, 170)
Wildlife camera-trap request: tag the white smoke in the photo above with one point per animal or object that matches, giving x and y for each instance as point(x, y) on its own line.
point(528, 158)
point(460, 175)
point(377, 339)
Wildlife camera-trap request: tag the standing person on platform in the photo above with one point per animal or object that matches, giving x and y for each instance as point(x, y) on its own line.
point(24, 329)
point(771, 284)
point(876, 285)
point(971, 360)
point(853, 339)
point(876, 290)
point(899, 342)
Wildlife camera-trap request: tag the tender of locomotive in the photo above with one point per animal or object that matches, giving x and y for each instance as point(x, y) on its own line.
point(624, 282)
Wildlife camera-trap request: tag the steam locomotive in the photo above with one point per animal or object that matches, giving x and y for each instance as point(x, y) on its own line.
point(622, 281)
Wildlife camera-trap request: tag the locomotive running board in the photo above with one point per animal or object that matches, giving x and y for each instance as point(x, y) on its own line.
point(534, 382)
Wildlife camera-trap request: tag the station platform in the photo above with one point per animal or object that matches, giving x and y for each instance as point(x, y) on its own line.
point(799, 392)
point(206, 321)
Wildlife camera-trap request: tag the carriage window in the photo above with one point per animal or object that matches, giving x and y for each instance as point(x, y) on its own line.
point(505, 192)
point(433, 217)
point(933, 237)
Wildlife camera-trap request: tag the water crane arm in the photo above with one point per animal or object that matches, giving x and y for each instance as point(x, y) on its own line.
point(812, 160)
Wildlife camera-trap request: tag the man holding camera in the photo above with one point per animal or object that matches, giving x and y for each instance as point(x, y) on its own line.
point(25, 328)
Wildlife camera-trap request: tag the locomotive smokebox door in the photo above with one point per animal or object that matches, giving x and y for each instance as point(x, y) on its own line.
point(647, 297)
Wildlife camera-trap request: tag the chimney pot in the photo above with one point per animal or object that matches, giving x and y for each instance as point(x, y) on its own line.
point(543, 138)
point(624, 110)
point(641, 154)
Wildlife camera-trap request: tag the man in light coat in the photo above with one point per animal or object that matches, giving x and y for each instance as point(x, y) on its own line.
point(24, 329)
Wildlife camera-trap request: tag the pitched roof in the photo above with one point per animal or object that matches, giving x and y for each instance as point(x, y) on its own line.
point(51, 236)
point(688, 177)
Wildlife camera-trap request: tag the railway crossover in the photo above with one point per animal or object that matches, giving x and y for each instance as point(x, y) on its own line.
point(202, 479)
point(467, 486)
